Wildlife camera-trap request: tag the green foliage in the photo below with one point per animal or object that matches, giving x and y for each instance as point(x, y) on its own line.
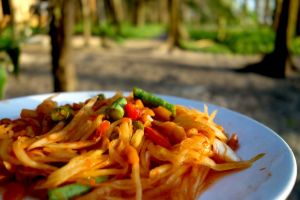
point(5, 38)
point(211, 11)
point(126, 31)
point(109, 30)
point(254, 40)
point(213, 48)
point(296, 46)
point(192, 5)
point(78, 29)
point(105, 29)
point(11, 47)
point(143, 32)
point(202, 33)
point(238, 40)
point(5, 43)
point(221, 8)
point(14, 55)
point(38, 30)
point(3, 79)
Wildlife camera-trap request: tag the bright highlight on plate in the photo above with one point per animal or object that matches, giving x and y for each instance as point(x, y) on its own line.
point(138, 145)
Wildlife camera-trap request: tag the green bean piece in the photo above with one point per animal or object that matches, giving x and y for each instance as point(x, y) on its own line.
point(101, 97)
point(150, 99)
point(120, 101)
point(61, 113)
point(69, 191)
point(115, 111)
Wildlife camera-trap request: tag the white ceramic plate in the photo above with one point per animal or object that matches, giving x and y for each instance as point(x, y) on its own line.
point(271, 177)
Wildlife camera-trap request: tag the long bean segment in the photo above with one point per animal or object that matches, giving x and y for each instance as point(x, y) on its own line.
point(152, 100)
point(72, 190)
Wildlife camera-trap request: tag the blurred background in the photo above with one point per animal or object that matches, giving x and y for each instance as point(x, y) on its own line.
point(239, 54)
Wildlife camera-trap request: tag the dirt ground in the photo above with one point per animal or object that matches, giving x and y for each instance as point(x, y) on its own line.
point(206, 77)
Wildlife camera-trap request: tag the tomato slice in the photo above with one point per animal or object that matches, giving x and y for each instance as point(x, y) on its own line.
point(157, 138)
point(131, 111)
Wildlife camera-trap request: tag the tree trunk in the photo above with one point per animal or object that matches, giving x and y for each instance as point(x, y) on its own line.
point(257, 9)
point(281, 51)
point(267, 12)
point(93, 11)
point(101, 11)
point(221, 34)
point(114, 13)
point(174, 24)
point(298, 22)
point(278, 63)
point(177, 30)
point(285, 32)
point(292, 21)
point(61, 30)
point(162, 8)
point(14, 28)
point(277, 11)
point(86, 21)
point(13, 48)
point(1, 11)
point(245, 7)
point(139, 13)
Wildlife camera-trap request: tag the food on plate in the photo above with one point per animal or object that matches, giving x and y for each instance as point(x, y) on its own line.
point(130, 147)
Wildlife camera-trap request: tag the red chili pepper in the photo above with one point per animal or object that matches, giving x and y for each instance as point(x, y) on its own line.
point(131, 111)
point(156, 137)
point(102, 128)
